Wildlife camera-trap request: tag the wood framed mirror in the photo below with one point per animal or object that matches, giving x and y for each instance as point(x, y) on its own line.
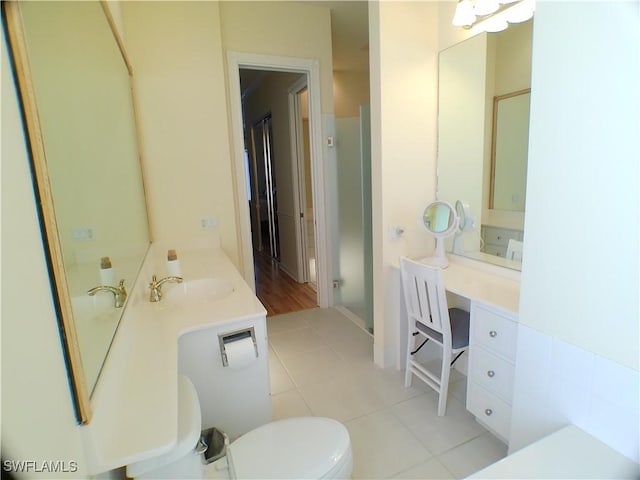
point(74, 86)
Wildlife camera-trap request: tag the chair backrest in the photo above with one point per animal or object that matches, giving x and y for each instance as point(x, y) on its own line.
point(514, 250)
point(425, 296)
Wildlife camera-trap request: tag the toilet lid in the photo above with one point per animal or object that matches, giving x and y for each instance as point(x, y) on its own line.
point(301, 447)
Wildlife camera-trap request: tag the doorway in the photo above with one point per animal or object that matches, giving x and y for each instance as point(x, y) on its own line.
point(289, 213)
point(275, 116)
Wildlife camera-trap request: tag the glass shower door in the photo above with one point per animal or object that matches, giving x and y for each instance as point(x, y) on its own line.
point(353, 151)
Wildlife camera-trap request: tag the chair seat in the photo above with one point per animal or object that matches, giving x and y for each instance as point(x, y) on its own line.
point(459, 329)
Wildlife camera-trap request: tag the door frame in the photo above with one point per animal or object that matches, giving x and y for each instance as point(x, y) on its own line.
point(298, 166)
point(311, 68)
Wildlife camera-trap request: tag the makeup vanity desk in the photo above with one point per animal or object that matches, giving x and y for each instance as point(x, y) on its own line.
point(493, 295)
point(485, 284)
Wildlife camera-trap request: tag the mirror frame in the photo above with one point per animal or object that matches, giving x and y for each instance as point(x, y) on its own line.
point(44, 200)
point(494, 141)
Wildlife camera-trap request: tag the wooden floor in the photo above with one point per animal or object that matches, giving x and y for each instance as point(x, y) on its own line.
point(277, 291)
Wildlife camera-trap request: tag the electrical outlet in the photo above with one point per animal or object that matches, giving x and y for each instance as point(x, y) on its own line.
point(208, 223)
point(83, 234)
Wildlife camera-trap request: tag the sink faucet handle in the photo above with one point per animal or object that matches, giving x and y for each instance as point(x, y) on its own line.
point(119, 292)
point(156, 292)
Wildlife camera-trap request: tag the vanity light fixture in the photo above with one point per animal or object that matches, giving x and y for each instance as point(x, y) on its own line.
point(492, 15)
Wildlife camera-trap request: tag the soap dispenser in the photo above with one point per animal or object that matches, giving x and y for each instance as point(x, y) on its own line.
point(107, 273)
point(173, 264)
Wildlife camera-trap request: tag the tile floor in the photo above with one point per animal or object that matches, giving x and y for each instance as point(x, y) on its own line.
point(322, 364)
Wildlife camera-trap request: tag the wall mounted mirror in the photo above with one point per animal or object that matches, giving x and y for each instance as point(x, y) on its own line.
point(509, 144)
point(75, 88)
point(482, 155)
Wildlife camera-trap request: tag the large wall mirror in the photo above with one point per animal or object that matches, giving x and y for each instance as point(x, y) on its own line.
point(483, 128)
point(75, 88)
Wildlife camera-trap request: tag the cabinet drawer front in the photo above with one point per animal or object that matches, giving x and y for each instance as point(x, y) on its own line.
point(500, 236)
point(493, 373)
point(489, 409)
point(497, 250)
point(494, 331)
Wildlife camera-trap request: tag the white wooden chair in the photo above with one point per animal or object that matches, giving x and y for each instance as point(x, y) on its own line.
point(430, 318)
point(514, 250)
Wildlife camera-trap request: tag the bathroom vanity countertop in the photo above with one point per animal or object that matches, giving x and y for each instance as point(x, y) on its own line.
point(568, 453)
point(483, 286)
point(487, 284)
point(135, 402)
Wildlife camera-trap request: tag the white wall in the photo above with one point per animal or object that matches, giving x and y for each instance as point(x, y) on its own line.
point(350, 90)
point(176, 52)
point(583, 179)
point(579, 296)
point(403, 68)
point(38, 421)
point(281, 28)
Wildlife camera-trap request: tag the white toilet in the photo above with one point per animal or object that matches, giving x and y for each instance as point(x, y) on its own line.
point(293, 448)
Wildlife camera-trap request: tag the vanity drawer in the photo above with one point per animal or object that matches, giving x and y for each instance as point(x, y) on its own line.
point(491, 372)
point(497, 250)
point(493, 331)
point(489, 409)
point(500, 236)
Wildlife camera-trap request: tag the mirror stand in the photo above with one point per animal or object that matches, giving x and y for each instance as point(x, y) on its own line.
point(441, 221)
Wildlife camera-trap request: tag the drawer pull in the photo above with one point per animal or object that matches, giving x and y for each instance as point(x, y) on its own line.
point(488, 412)
point(490, 373)
point(493, 334)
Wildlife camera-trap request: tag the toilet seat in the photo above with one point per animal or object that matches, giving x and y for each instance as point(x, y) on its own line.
point(300, 447)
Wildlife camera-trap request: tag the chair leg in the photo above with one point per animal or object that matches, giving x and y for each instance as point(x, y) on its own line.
point(444, 383)
point(408, 376)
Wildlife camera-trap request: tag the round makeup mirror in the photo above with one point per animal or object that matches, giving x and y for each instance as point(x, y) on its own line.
point(461, 211)
point(466, 223)
point(440, 220)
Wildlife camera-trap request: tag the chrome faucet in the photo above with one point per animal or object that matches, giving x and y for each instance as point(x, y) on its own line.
point(154, 286)
point(119, 292)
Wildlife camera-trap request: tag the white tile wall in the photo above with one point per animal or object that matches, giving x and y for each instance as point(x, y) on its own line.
point(557, 383)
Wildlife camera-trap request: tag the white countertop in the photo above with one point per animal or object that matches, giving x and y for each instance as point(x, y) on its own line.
point(483, 286)
point(135, 402)
point(488, 284)
point(567, 453)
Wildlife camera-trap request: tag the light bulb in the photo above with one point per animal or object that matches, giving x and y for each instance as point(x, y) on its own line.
point(520, 12)
point(485, 7)
point(464, 16)
point(494, 24)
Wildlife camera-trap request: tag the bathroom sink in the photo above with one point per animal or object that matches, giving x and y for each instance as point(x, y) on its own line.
point(197, 290)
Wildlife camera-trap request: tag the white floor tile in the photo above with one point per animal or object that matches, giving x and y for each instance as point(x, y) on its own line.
point(293, 342)
point(321, 364)
point(472, 456)
point(289, 404)
point(438, 434)
point(430, 470)
point(337, 329)
point(356, 349)
point(383, 447)
point(285, 323)
point(278, 377)
point(315, 366)
point(343, 399)
point(389, 384)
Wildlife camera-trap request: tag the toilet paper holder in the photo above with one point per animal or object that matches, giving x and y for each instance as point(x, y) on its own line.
point(234, 336)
